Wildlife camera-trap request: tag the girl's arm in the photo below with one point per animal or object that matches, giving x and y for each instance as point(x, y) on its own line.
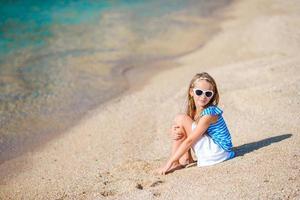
point(202, 126)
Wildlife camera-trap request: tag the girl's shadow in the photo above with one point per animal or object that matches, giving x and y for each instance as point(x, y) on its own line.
point(247, 148)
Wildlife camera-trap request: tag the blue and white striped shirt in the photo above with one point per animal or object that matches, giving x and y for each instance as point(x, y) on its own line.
point(218, 131)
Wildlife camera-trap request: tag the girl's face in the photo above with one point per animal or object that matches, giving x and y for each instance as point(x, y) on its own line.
point(202, 93)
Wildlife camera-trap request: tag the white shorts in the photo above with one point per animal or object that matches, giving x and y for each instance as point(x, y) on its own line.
point(208, 152)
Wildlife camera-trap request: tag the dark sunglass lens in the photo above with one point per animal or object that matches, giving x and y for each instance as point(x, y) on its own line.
point(199, 92)
point(208, 94)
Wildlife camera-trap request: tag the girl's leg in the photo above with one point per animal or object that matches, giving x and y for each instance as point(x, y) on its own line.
point(185, 123)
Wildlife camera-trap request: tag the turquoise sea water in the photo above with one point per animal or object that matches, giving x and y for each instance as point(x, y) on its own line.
point(59, 59)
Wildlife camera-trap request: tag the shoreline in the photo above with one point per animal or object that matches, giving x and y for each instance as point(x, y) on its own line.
point(131, 78)
point(113, 152)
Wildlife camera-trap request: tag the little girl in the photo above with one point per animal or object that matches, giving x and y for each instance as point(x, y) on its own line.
point(202, 128)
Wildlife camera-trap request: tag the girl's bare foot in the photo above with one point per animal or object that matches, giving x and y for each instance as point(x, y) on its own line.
point(189, 163)
point(176, 166)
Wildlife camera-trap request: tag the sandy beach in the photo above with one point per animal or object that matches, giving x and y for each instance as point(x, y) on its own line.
point(113, 151)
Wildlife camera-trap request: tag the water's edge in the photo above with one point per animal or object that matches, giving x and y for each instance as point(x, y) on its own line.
point(127, 79)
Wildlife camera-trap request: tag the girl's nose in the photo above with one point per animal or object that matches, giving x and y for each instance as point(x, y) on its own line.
point(203, 96)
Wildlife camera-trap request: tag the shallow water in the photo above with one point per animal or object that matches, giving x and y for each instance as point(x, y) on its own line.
point(58, 60)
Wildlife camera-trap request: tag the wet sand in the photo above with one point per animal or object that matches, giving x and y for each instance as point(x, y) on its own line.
point(113, 152)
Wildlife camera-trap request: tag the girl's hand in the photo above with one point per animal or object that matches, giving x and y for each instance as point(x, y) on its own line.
point(177, 132)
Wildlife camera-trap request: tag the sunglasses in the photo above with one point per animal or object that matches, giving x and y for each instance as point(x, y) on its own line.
point(199, 92)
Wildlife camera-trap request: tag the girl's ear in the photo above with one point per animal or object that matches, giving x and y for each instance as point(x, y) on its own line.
point(191, 92)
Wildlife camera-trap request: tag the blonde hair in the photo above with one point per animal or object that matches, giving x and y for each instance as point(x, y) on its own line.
point(191, 107)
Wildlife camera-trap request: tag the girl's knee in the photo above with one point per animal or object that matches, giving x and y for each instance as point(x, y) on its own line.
point(180, 119)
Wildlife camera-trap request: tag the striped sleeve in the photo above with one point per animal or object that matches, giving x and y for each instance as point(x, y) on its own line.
point(212, 110)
